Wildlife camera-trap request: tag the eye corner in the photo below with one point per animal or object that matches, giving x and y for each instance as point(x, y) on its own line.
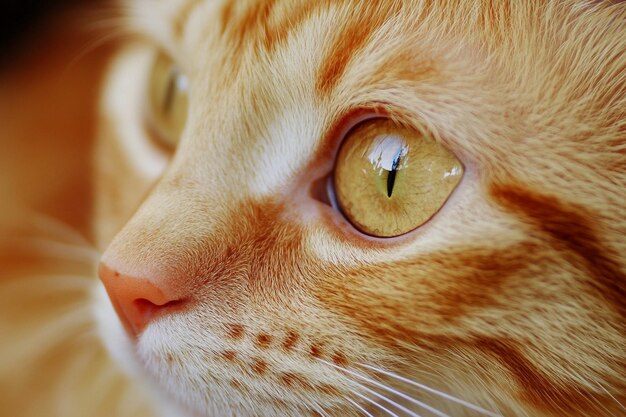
point(321, 190)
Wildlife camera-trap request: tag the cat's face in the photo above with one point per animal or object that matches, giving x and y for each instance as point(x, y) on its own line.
point(261, 273)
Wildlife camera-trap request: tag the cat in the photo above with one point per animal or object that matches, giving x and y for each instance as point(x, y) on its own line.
point(387, 208)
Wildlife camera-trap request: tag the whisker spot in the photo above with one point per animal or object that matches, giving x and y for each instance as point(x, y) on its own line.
point(235, 331)
point(236, 385)
point(316, 350)
point(293, 380)
point(259, 367)
point(263, 341)
point(328, 389)
point(340, 359)
point(291, 340)
point(229, 355)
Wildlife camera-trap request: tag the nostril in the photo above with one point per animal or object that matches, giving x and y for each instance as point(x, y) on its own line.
point(147, 310)
point(137, 301)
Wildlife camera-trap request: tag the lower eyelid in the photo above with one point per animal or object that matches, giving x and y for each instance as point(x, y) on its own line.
point(347, 232)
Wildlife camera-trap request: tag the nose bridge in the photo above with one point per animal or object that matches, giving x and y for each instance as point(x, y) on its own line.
point(183, 243)
point(160, 239)
point(200, 215)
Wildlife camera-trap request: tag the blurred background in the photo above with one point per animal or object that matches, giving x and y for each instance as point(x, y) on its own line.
point(19, 21)
point(53, 57)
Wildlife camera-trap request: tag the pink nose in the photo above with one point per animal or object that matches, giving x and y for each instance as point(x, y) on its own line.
point(136, 300)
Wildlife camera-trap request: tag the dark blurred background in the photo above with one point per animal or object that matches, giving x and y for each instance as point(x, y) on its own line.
point(53, 57)
point(20, 20)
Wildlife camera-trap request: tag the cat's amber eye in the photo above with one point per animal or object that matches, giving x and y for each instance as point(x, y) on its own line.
point(168, 100)
point(390, 179)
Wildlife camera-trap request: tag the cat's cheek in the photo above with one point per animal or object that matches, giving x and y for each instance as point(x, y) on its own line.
point(176, 367)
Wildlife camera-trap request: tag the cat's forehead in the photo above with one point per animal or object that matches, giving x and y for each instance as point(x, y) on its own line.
point(337, 47)
point(274, 85)
point(265, 24)
point(280, 75)
point(270, 79)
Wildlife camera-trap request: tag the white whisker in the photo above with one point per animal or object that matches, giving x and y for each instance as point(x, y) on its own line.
point(390, 401)
point(58, 228)
point(319, 409)
point(612, 397)
point(433, 391)
point(96, 43)
point(363, 410)
point(58, 249)
point(375, 404)
point(54, 284)
point(392, 390)
point(70, 324)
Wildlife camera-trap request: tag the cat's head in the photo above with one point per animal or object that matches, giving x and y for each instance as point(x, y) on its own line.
point(371, 205)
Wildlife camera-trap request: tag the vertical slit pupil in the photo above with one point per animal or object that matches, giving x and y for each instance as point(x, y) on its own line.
point(169, 92)
point(391, 177)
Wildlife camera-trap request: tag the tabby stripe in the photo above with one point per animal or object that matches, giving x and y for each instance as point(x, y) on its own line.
point(253, 21)
point(537, 389)
point(258, 26)
point(350, 42)
point(570, 226)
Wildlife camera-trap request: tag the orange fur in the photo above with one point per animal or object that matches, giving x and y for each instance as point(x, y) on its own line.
point(511, 297)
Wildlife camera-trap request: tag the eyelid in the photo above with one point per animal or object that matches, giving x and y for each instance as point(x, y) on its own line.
point(338, 131)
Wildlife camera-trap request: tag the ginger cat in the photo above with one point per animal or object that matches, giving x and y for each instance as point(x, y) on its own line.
point(350, 208)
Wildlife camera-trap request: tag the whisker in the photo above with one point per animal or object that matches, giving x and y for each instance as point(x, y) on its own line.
point(319, 409)
point(58, 228)
point(53, 283)
point(363, 410)
point(392, 390)
point(69, 325)
point(612, 397)
point(389, 400)
point(58, 249)
point(375, 404)
point(433, 391)
point(94, 45)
